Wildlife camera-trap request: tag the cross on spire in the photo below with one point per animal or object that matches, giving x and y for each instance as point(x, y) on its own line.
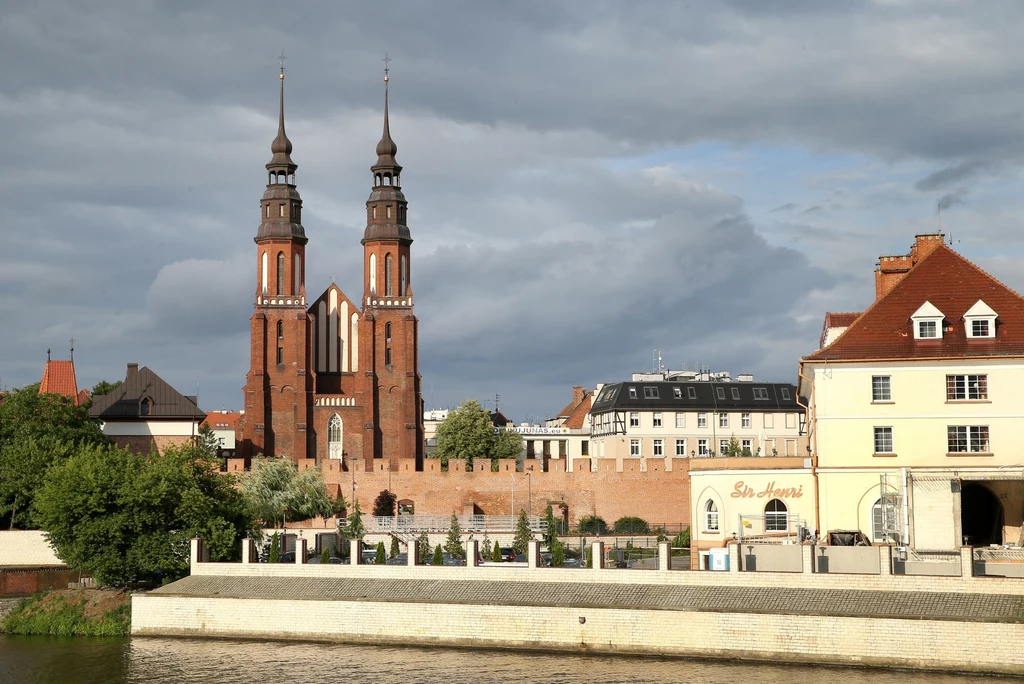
point(282, 58)
point(387, 66)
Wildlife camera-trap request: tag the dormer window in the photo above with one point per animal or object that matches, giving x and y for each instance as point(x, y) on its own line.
point(927, 322)
point(980, 321)
point(145, 406)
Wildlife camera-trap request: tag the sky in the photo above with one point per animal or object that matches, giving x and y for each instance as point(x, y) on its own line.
point(588, 181)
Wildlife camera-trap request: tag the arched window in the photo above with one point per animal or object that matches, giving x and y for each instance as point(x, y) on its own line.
point(280, 330)
point(280, 273)
point(373, 273)
point(711, 516)
point(776, 516)
point(298, 274)
point(387, 332)
point(334, 434)
point(402, 276)
point(263, 272)
point(389, 289)
point(883, 521)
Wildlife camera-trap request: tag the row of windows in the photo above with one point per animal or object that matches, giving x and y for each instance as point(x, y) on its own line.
point(387, 212)
point(281, 211)
point(744, 447)
point(960, 439)
point(958, 387)
point(606, 422)
point(389, 277)
point(776, 518)
point(760, 393)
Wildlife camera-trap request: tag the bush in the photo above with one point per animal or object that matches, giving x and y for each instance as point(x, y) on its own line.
point(275, 549)
point(384, 504)
point(593, 524)
point(631, 524)
point(523, 534)
point(496, 554)
point(380, 557)
point(438, 559)
point(69, 613)
point(557, 554)
point(682, 540)
point(453, 544)
point(394, 547)
point(423, 548)
point(325, 557)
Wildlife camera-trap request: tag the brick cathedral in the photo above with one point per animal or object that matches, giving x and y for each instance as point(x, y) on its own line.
point(334, 378)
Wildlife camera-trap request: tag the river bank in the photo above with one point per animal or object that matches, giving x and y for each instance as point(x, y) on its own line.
point(71, 612)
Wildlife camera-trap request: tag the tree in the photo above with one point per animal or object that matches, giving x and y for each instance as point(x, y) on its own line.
point(103, 387)
point(356, 530)
point(558, 555)
point(23, 465)
point(593, 524)
point(523, 533)
point(394, 547)
point(550, 528)
point(453, 544)
point(734, 448)
point(507, 444)
point(275, 549)
point(277, 492)
point(207, 441)
point(466, 433)
point(380, 557)
point(423, 548)
point(437, 559)
point(587, 558)
point(384, 504)
point(496, 555)
point(122, 516)
point(682, 539)
point(630, 524)
point(325, 556)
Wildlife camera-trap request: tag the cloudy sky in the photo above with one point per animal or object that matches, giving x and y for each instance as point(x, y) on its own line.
point(588, 181)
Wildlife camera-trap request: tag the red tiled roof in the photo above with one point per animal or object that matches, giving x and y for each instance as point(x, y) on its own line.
point(223, 420)
point(579, 414)
point(59, 378)
point(841, 319)
point(953, 285)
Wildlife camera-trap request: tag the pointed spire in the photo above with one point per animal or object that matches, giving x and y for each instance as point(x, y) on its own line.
point(386, 148)
point(282, 146)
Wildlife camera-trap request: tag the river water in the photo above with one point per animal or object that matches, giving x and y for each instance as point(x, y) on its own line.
point(151, 659)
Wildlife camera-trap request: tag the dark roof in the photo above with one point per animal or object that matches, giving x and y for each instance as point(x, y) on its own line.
point(953, 285)
point(499, 419)
point(616, 396)
point(124, 403)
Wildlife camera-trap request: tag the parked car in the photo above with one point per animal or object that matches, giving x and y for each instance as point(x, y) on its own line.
point(288, 557)
point(507, 554)
point(400, 559)
point(546, 560)
point(333, 560)
point(369, 556)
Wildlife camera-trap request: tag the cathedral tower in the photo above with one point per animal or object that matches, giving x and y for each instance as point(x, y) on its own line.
point(279, 385)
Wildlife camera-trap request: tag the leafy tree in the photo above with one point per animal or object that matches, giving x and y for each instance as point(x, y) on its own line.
point(277, 492)
point(207, 441)
point(119, 515)
point(437, 559)
point(26, 414)
point(23, 465)
point(103, 387)
point(496, 555)
point(356, 530)
point(453, 544)
point(423, 548)
point(275, 549)
point(384, 504)
point(325, 556)
point(394, 547)
point(550, 527)
point(381, 557)
point(339, 507)
point(507, 444)
point(523, 533)
point(466, 433)
point(682, 539)
point(558, 555)
point(734, 448)
point(587, 558)
point(630, 524)
point(593, 524)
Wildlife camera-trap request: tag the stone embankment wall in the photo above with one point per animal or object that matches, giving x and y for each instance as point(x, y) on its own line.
point(943, 623)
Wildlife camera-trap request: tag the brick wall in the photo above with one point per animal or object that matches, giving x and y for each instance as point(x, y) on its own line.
point(145, 444)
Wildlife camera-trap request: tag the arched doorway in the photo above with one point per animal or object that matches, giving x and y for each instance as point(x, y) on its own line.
point(981, 516)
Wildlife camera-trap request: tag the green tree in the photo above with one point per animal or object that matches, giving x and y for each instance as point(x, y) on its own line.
point(103, 387)
point(734, 448)
point(523, 533)
point(423, 548)
point(496, 555)
point(119, 515)
point(394, 547)
point(453, 544)
point(630, 524)
point(466, 433)
point(384, 504)
point(207, 441)
point(550, 528)
point(325, 556)
point(356, 530)
point(437, 559)
point(587, 558)
point(277, 492)
point(682, 539)
point(275, 549)
point(506, 444)
point(593, 524)
point(558, 555)
point(23, 465)
point(380, 557)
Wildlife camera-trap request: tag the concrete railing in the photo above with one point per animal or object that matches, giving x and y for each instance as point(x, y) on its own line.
point(441, 523)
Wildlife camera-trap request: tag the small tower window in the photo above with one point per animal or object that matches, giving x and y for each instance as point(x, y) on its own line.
point(280, 355)
point(373, 211)
point(268, 211)
point(281, 209)
point(388, 281)
point(387, 356)
point(387, 332)
point(388, 211)
point(280, 273)
point(403, 275)
point(280, 330)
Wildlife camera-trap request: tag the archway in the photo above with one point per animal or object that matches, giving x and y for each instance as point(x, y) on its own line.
point(981, 516)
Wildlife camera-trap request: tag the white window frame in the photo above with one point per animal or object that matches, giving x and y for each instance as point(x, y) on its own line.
point(747, 446)
point(702, 420)
point(659, 448)
point(711, 516)
point(776, 520)
point(927, 322)
point(634, 419)
point(881, 388)
point(723, 447)
point(635, 448)
point(680, 420)
point(723, 420)
point(680, 448)
point(975, 384)
point(745, 420)
point(702, 447)
point(980, 314)
point(657, 419)
point(969, 439)
point(883, 432)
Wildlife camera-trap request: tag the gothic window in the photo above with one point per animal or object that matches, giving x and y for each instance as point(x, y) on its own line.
point(334, 434)
point(388, 277)
point(373, 273)
point(710, 516)
point(298, 274)
point(402, 275)
point(776, 516)
point(263, 272)
point(280, 330)
point(280, 273)
point(387, 332)
point(280, 355)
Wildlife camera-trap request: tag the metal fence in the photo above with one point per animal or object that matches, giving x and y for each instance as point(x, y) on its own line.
point(441, 523)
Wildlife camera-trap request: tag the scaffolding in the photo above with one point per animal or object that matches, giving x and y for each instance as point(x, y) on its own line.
point(887, 520)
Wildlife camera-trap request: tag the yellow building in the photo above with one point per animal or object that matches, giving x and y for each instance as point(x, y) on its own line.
point(915, 407)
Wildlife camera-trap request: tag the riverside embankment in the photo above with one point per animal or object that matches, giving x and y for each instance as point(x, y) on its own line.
point(962, 624)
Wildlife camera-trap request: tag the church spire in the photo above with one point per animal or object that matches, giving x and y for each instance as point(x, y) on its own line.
point(386, 148)
point(281, 163)
point(385, 210)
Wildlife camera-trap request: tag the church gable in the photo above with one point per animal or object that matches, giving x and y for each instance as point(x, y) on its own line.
point(335, 320)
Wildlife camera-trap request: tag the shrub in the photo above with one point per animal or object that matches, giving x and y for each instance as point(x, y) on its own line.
point(453, 544)
point(380, 557)
point(437, 559)
point(275, 549)
point(423, 548)
point(394, 547)
point(523, 534)
point(384, 504)
point(682, 540)
point(631, 524)
point(496, 554)
point(557, 554)
point(325, 557)
point(593, 524)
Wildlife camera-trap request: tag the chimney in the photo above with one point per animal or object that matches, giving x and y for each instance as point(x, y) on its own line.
point(925, 245)
point(890, 271)
point(133, 370)
point(578, 394)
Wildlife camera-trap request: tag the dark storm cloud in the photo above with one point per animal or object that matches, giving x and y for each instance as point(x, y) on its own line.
point(548, 251)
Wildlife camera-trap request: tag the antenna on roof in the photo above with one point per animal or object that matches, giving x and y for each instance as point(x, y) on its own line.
point(72, 343)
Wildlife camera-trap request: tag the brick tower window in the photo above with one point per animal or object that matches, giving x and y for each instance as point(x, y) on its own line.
point(280, 273)
point(280, 355)
point(389, 289)
point(280, 331)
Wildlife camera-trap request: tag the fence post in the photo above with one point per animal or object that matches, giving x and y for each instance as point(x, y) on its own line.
point(412, 559)
point(885, 561)
point(597, 555)
point(664, 556)
point(300, 551)
point(807, 558)
point(734, 557)
point(533, 553)
point(471, 552)
point(355, 547)
point(195, 553)
point(247, 551)
point(966, 561)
